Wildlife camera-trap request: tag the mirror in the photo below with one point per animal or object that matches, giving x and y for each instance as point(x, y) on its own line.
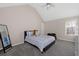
point(4, 36)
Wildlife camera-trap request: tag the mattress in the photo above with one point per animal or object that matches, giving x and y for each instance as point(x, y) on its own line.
point(40, 41)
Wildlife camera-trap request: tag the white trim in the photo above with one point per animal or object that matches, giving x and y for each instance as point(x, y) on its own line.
point(65, 40)
point(17, 44)
point(14, 45)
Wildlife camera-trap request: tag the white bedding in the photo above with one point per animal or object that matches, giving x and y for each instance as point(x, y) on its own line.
point(40, 41)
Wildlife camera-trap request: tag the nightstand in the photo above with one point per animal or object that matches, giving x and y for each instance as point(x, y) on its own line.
point(52, 34)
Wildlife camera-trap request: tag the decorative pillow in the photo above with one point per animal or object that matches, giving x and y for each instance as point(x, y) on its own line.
point(35, 32)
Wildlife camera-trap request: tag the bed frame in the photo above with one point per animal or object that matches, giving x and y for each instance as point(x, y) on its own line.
point(47, 47)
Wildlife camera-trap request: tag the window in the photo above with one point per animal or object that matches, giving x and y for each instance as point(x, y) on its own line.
point(71, 28)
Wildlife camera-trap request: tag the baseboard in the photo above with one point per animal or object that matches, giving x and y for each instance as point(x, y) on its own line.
point(13, 45)
point(66, 40)
point(18, 44)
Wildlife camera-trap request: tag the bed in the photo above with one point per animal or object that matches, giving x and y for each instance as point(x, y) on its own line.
point(42, 42)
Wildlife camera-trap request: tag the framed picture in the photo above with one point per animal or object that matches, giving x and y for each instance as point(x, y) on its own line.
point(5, 38)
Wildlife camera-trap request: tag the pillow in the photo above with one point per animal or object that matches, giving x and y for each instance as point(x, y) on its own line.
point(38, 33)
point(29, 34)
point(35, 32)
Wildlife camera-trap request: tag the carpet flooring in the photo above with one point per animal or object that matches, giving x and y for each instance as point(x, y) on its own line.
point(60, 48)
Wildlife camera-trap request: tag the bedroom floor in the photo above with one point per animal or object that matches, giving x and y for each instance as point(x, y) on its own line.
point(60, 48)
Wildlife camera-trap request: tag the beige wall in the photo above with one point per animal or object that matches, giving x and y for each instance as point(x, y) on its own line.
point(58, 27)
point(18, 19)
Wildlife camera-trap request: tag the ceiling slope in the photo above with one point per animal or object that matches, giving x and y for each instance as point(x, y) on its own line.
point(60, 10)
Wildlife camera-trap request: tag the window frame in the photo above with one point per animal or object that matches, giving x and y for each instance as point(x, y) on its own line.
point(75, 26)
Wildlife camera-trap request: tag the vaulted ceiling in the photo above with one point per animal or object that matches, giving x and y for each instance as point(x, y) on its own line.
point(60, 10)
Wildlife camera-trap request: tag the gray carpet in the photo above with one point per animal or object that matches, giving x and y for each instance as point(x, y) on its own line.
point(60, 48)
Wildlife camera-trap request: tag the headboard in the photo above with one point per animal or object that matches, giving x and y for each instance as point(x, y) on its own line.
point(25, 34)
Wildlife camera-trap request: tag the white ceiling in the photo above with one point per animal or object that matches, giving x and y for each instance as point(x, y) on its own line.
point(60, 10)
